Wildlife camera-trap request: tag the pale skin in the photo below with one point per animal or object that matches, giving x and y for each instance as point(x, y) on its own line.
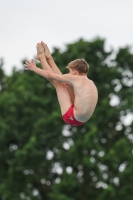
point(84, 94)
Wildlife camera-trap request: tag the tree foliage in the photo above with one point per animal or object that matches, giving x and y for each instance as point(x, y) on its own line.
point(43, 158)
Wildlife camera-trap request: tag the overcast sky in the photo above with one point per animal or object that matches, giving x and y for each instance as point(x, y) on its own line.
point(23, 23)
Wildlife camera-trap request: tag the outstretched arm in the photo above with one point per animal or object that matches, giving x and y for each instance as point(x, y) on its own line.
point(48, 74)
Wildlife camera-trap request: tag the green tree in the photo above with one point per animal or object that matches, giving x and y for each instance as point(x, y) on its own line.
point(43, 158)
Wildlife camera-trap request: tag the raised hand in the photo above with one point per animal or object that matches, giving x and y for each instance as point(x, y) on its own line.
point(30, 65)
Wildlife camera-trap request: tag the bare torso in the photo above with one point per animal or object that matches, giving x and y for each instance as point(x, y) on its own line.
point(86, 97)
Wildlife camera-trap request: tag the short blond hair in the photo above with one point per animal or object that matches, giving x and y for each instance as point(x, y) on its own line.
point(80, 65)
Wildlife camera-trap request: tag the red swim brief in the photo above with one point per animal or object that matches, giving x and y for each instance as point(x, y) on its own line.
point(69, 118)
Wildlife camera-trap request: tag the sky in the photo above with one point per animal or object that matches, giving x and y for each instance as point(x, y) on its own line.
point(24, 23)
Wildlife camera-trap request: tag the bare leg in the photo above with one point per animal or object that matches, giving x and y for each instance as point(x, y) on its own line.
point(42, 58)
point(52, 65)
point(64, 97)
point(50, 59)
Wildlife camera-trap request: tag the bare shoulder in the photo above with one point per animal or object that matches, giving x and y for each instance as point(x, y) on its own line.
point(92, 83)
point(89, 84)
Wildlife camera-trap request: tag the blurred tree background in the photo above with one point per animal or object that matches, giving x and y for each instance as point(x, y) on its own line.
point(43, 158)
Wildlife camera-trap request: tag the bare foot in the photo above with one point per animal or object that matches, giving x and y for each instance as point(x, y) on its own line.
point(40, 51)
point(46, 50)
